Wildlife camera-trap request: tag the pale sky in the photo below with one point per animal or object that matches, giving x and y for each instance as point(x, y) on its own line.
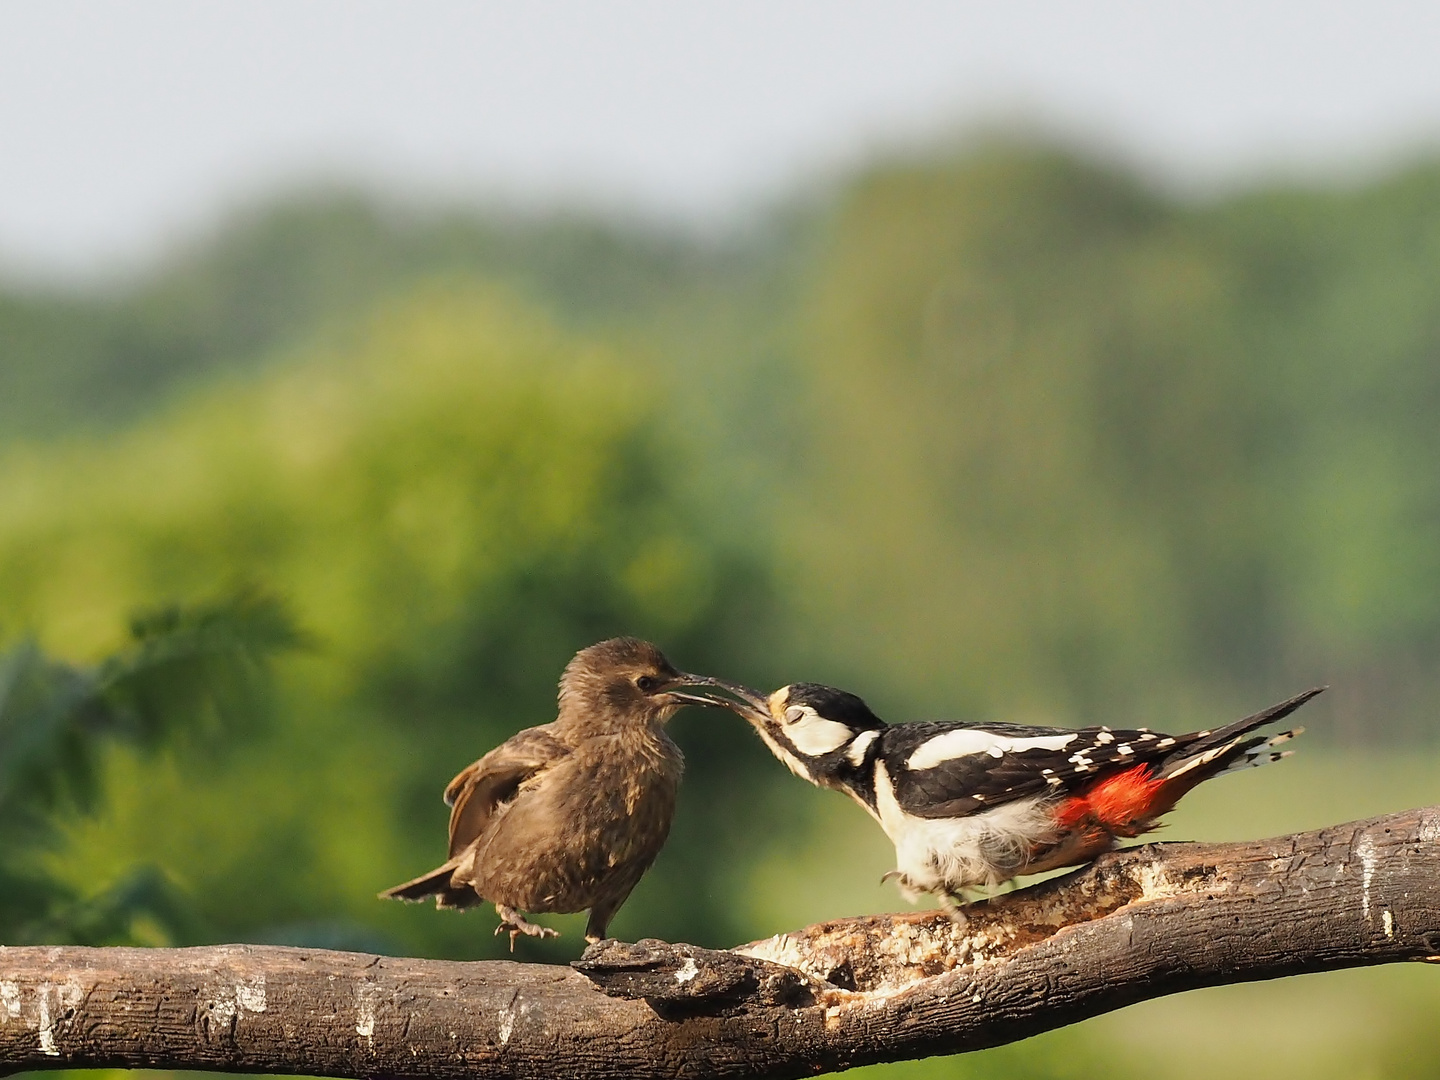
point(123, 124)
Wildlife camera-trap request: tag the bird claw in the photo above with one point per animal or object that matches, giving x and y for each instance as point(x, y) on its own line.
point(515, 924)
point(954, 907)
point(954, 910)
point(907, 890)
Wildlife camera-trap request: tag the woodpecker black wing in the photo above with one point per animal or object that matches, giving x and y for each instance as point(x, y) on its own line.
point(940, 770)
point(951, 770)
point(474, 795)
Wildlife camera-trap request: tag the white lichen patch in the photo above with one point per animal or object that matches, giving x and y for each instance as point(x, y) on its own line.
point(53, 1002)
point(521, 1012)
point(1365, 849)
point(687, 971)
point(223, 1005)
point(46, 1028)
point(1388, 922)
point(250, 994)
point(366, 996)
point(9, 1000)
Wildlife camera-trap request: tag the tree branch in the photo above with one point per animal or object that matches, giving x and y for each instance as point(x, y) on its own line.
point(1137, 924)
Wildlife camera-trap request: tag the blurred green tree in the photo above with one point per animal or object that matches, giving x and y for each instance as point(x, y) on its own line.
point(1088, 451)
point(196, 673)
point(456, 496)
point(290, 268)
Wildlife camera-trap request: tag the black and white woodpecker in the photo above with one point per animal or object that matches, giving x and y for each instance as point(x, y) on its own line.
point(977, 804)
point(569, 815)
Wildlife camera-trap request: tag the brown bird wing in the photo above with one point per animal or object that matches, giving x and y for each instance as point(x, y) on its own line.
point(493, 780)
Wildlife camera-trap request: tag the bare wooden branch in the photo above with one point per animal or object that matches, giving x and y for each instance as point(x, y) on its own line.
point(1135, 925)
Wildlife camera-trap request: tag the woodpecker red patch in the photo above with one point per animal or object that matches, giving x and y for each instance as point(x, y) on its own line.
point(1123, 803)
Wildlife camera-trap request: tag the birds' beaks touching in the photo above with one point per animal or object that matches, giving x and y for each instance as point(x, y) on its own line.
point(814, 730)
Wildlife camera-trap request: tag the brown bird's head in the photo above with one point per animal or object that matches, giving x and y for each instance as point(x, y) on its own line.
point(624, 682)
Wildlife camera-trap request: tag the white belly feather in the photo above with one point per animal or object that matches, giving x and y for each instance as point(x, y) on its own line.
point(947, 854)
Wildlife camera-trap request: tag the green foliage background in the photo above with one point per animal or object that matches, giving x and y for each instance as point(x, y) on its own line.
point(993, 434)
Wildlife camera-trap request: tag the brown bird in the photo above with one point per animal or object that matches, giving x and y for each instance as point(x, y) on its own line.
point(569, 815)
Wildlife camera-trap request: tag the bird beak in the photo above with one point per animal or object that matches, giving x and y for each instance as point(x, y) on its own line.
point(750, 704)
point(702, 698)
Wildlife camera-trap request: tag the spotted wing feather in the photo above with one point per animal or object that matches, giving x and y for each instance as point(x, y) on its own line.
point(978, 780)
point(975, 781)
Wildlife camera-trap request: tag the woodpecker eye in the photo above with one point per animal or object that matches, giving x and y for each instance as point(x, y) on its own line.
point(647, 683)
point(793, 714)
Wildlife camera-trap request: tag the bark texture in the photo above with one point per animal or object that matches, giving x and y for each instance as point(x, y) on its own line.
point(1136, 924)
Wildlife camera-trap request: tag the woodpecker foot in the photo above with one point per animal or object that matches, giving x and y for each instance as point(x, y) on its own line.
point(512, 921)
point(953, 909)
point(907, 889)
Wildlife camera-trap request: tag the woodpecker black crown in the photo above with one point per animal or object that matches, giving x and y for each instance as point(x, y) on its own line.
point(833, 704)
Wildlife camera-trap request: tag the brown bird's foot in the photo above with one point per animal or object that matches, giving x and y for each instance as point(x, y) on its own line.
point(512, 921)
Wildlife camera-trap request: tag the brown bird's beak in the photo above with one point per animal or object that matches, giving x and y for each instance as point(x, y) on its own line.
point(751, 704)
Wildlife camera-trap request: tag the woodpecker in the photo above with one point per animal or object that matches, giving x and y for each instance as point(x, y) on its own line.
point(569, 815)
point(977, 804)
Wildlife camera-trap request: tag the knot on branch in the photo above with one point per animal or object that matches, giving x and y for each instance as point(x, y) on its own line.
point(683, 979)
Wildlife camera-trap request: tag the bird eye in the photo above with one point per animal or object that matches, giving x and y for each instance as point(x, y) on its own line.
point(793, 714)
point(647, 683)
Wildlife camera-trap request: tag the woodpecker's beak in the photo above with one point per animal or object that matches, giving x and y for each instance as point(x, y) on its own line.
point(750, 704)
point(679, 697)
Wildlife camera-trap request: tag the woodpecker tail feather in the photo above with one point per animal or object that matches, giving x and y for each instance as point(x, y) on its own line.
point(1265, 754)
point(1131, 802)
point(1228, 749)
point(1227, 746)
point(436, 883)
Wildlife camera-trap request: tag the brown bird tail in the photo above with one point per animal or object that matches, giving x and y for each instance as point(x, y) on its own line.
point(436, 883)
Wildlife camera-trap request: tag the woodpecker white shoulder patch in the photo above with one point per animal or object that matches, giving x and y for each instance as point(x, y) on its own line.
point(964, 741)
point(859, 746)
